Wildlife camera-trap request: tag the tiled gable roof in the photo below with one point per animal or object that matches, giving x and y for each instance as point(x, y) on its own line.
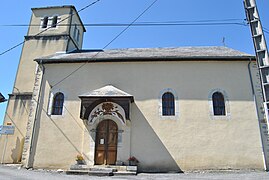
point(148, 54)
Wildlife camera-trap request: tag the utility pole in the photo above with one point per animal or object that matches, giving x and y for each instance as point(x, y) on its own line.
point(262, 59)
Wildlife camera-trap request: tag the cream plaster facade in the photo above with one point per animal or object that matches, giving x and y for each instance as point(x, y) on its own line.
point(192, 139)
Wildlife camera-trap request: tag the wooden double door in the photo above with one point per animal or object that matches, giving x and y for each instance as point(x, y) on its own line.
point(106, 143)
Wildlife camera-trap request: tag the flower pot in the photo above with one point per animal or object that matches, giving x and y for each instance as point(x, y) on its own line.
point(80, 162)
point(132, 163)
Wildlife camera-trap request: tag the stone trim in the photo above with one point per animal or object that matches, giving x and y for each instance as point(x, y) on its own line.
point(50, 103)
point(107, 108)
point(27, 158)
point(47, 37)
point(227, 105)
point(176, 116)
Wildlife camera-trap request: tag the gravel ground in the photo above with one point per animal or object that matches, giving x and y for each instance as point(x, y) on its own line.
point(17, 173)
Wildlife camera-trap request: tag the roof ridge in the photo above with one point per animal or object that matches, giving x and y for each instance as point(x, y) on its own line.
point(164, 54)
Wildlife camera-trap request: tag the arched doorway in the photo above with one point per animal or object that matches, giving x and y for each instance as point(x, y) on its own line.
point(106, 143)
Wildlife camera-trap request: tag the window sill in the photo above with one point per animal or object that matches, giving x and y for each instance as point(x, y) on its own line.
point(175, 117)
point(227, 117)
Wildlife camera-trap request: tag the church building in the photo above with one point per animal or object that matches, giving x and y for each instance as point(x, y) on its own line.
point(163, 109)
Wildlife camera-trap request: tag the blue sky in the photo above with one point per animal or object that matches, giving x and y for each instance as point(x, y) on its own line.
point(125, 11)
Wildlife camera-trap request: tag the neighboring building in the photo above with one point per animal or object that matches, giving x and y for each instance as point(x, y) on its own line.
point(174, 109)
point(2, 98)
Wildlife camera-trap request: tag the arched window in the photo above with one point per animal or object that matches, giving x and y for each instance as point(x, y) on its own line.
point(218, 104)
point(54, 21)
point(57, 106)
point(45, 22)
point(168, 104)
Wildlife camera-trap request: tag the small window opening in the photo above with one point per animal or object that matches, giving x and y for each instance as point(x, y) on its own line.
point(45, 22)
point(58, 101)
point(76, 33)
point(218, 104)
point(54, 21)
point(168, 104)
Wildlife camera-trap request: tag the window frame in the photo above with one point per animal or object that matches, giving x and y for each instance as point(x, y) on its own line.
point(218, 101)
point(212, 114)
point(51, 101)
point(50, 24)
point(54, 21)
point(76, 33)
point(168, 104)
point(57, 104)
point(176, 105)
point(43, 20)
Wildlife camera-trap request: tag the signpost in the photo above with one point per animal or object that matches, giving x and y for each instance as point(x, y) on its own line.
point(6, 130)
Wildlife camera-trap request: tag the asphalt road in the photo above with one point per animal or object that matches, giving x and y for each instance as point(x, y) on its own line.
point(15, 173)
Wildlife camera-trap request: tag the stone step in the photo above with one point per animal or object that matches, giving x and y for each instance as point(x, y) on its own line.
point(100, 173)
point(90, 173)
point(77, 172)
point(79, 167)
point(124, 173)
point(121, 168)
point(101, 170)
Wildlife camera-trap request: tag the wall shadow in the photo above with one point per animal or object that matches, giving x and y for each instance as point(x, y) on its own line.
point(147, 147)
point(17, 150)
point(41, 110)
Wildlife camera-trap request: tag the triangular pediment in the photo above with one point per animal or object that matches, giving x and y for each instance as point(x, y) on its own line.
point(106, 91)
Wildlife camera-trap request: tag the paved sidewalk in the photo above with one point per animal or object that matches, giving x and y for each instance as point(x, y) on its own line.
point(17, 173)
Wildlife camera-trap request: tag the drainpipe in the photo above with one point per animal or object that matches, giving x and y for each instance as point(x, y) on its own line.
point(251, 81)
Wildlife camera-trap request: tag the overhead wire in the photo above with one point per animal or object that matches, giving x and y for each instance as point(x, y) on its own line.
point(133, 23)
point(110, 42)
point(4, 52)
point(164, 24)
point(145, 22)
point(206, 22)
point(105, 45)
point(266, 30)
point(221, 22)
point(37, 35)
point(116, 37)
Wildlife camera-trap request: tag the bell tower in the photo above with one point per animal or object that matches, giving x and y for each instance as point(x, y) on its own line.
point(51, 29)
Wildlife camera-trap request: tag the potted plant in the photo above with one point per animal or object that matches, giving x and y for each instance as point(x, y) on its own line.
point(80, 159)
point(133, 161)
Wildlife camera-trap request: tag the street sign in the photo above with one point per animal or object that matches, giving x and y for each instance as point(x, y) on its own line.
point(7, 129)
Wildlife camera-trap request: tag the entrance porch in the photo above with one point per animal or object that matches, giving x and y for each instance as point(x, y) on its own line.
point(107, 134)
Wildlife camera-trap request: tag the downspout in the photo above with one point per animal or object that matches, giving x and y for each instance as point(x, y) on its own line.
point(31, 160)
point(251, 82)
